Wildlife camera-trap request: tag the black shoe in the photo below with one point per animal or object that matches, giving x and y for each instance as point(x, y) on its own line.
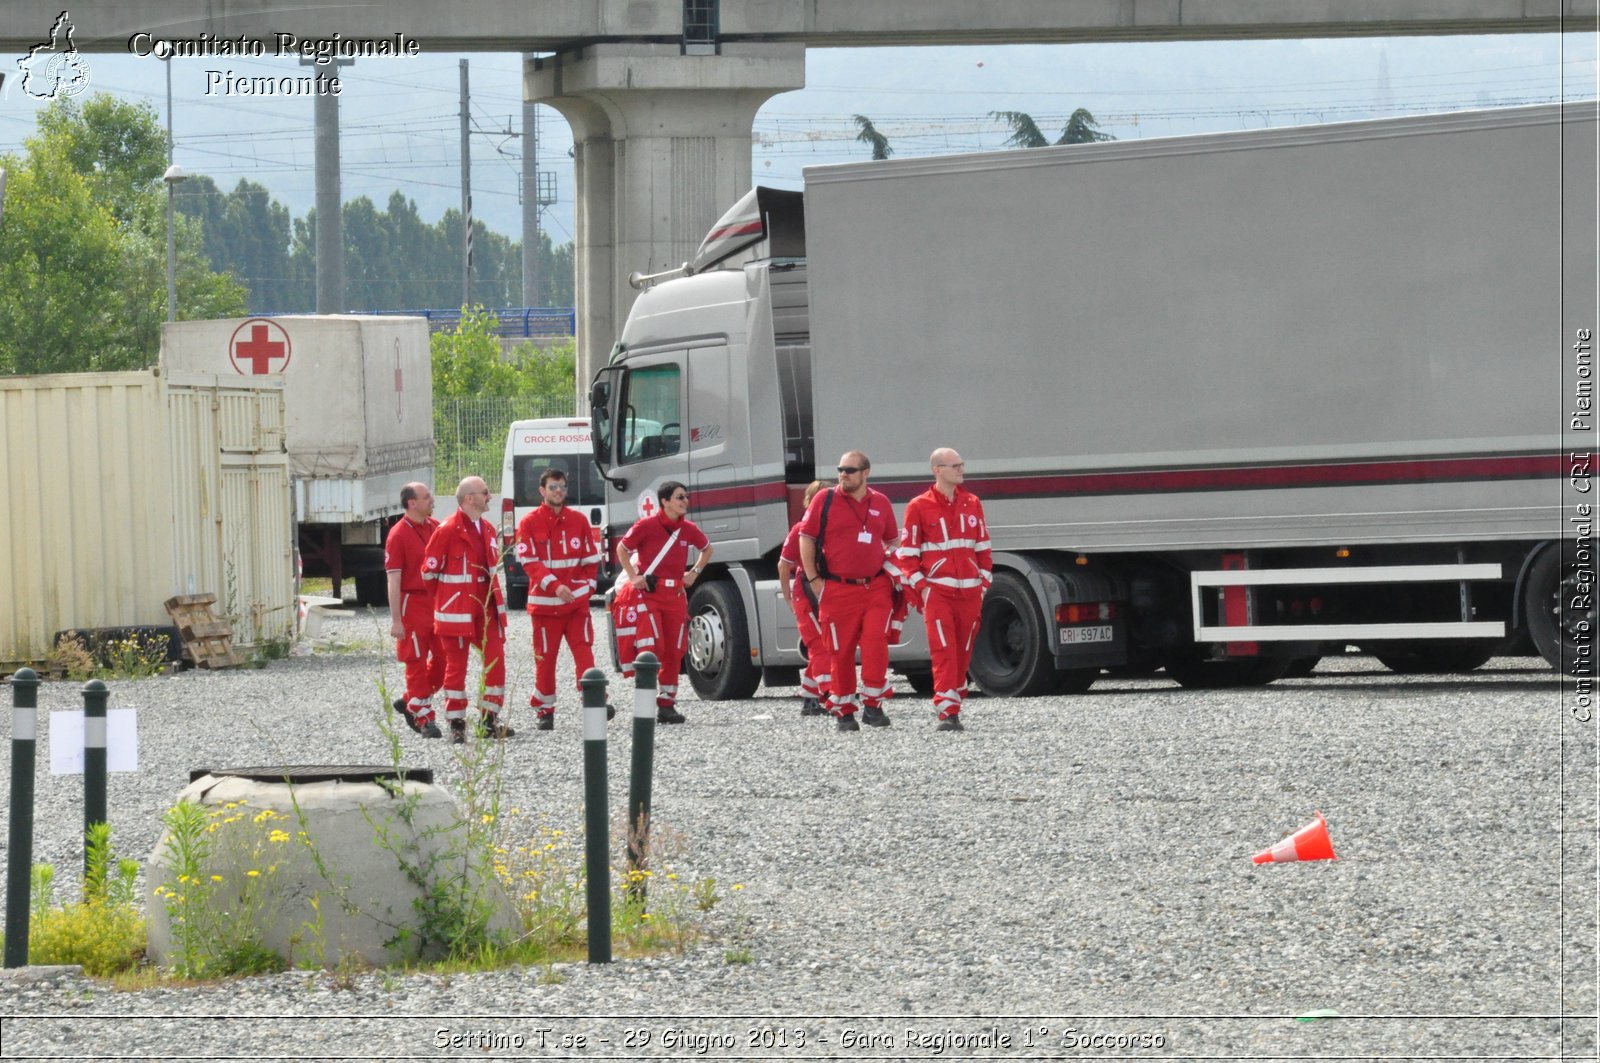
point(950, 723)
point(405, 714)
point(669, 714)
point(458, 732)
point(874, 716)
point(489, 724)
point(545, 721)
point(812, 707)
point(611, 712)
point(847, 722)
point(429, 730)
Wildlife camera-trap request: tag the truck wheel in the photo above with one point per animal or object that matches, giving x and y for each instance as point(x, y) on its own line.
point(1548, 599)
point(372, 588)
point(1194, 673)
point(921, 683)
point(1422, 657)
point(718, 661)
point(1011, 659)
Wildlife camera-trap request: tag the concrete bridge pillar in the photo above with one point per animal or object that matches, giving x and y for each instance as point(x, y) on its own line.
point(662, 143)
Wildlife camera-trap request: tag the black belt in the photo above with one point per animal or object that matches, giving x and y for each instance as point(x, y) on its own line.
point(852, 582)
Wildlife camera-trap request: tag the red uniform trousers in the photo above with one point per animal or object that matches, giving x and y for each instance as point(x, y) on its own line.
point(852, 615)
point(952, 619)
point(669, 612)
point(419, 651)
point(549, 630)
point(819, 654)
point(490, 642)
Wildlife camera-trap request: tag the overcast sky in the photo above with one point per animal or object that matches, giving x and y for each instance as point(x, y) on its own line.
point(401, 126)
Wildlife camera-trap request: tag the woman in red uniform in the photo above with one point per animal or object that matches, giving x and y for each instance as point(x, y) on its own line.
point(662, 580)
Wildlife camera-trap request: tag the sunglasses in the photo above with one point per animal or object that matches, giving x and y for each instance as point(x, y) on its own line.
point(851, 470)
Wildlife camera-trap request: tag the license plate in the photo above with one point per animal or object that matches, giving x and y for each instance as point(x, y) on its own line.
point(1095, 633)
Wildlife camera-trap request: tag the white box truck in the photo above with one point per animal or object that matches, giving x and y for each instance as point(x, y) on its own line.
point(358, 399)
point(1230, 400)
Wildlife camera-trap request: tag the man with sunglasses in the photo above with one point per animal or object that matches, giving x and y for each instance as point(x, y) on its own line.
point(557, 549)
point(846, 564)
point(945, 558)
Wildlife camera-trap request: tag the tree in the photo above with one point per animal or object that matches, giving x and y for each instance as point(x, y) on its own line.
point(83, 246)
point(868, 134)
point(1081, 128)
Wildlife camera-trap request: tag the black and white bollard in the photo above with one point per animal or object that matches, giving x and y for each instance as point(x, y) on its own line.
point(597, 826)
point(19, 850)
point(95, 696)
point(644, 750)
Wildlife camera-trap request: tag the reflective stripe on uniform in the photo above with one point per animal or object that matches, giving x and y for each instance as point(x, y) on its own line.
point(955, 544)
point(958, 584)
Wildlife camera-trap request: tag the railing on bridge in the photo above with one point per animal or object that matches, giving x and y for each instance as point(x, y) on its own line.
point(532, 322)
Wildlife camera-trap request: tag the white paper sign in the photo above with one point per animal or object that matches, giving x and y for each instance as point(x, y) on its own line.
point(66, 741)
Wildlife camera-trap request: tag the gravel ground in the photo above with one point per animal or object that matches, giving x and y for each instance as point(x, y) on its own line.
point(1069, 872)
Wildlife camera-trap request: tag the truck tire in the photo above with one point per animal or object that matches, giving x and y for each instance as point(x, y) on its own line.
point(372, 588)
point(1421, 657)
point(1010, 658)
point(718, 661)
point(1548, 598)
point(1194, 673)
point(921, 682)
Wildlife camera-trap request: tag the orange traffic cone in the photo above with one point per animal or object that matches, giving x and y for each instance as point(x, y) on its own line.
point(1310, 842)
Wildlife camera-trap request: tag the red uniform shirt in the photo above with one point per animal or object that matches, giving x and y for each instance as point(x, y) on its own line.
point(647, 537)
point(945, 542)
point(858, 533)
point(403, 550)
point(460, 562)
point(556, 548)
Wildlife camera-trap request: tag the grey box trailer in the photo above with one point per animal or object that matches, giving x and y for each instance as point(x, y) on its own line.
point(1229, 399)
point(358, 397)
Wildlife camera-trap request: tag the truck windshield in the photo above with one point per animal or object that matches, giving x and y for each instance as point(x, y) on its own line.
point(584, 486)
point(651, 422)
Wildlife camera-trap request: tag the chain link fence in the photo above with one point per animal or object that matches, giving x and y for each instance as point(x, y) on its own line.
point(470, 434)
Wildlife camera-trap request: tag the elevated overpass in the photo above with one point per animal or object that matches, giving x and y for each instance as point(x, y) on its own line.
point(662, 94)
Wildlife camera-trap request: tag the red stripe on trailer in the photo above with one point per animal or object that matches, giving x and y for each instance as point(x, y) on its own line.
point(1251, 477)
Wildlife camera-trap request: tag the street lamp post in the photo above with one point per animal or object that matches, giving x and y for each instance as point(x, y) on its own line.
point(173, 175)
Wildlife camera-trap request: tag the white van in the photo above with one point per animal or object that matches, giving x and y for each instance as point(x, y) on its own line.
point(531, 448)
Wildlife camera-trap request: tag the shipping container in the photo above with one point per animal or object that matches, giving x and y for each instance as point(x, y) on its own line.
point(126, 489)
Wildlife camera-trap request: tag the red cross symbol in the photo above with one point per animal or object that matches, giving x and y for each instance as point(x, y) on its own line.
point(647, 506)
point(254, 356)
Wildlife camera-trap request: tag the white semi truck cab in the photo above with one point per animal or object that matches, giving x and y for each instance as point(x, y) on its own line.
point(1231, 401)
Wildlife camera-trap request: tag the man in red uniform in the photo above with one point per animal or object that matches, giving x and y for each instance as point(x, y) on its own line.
point(819, 657)
point(944, 556)
point(662, 544)
point(411, 609)
point(461, 560)
point(844, 542)
point(556, 548)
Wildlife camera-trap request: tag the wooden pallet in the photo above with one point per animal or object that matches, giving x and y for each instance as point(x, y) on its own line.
point(206, 640)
